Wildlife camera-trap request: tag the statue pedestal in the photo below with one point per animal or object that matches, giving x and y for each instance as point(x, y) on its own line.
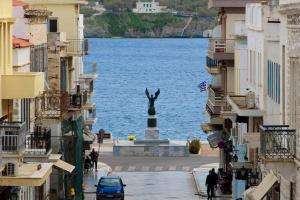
point(152, 134)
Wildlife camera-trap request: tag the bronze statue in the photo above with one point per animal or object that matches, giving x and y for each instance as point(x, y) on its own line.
point(151, 108)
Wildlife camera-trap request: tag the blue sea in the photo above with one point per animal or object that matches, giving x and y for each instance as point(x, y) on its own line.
point(126, 67)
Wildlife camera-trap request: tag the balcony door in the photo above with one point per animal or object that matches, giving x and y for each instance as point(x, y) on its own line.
point(63, 75)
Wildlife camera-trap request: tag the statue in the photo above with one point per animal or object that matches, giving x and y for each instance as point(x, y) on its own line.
point(151, 108)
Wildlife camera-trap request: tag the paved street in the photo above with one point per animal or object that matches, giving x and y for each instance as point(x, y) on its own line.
point(153, 178)
point(157, 186)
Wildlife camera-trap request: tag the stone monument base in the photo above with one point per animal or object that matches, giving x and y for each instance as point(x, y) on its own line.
point(151, 148)
point(151, 134)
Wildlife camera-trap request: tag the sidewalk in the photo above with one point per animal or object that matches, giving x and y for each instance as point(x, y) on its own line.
point(200, 178)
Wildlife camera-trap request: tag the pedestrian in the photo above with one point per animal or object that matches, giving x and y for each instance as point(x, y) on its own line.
point(94, 156)
point(215, 175)
point(87, 164)
point(210, 184)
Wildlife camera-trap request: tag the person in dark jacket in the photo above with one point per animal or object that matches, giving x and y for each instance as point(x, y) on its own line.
point(94, 156)
point(216, 179)
point(210, 184)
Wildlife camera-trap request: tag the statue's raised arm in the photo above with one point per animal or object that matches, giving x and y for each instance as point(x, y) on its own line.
point(147, 93)
point(157, 93)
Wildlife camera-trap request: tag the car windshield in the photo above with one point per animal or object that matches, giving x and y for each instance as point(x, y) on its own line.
point(110, 182)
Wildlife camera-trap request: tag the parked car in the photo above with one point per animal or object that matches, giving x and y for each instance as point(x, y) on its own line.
point(110, 187)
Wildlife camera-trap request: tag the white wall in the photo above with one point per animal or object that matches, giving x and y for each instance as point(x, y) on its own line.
point(230, 24)
point(240, 65)
point(21, 56)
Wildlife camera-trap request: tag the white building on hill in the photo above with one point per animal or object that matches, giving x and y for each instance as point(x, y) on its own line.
point(149, 7)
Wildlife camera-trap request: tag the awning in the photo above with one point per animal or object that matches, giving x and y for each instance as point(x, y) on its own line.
point(257, 193)
point(88, 137)
point(208, 127)
point(34, 174)
point(214, 139)
point(64, 165)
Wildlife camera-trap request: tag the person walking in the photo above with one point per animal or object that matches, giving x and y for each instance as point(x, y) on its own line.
point(210, 184)
point(94, 156)
point(87, 164)
point(215, 175)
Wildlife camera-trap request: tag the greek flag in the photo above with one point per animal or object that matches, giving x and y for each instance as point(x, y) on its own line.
point(202, 86)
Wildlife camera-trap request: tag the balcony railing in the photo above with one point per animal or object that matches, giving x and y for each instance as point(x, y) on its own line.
point(219, 45)
point(78, 99)
point(12, 136)
point(39, 142)
point(215, 100)
point(52, 105)
point(277, 142)
point(77, 47)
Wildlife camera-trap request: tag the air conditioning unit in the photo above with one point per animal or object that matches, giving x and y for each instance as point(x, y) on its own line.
point(250, 100)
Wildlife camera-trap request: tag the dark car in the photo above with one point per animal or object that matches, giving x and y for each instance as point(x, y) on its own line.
point(110, 187)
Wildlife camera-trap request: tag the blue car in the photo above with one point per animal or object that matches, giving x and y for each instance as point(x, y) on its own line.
point(110, 187)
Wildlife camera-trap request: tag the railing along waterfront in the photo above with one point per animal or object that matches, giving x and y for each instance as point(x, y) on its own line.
point(39, 142)
point(77, 46)
point(219, 45)
point(12, 136)
point(52, 104)
point(277, 142)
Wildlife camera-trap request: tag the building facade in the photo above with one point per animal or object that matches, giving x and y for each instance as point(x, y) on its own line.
point(150, 7)
point(46, 113)
point(259, 121)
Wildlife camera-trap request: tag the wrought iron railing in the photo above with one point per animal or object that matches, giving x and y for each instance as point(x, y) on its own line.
point(77, 46)
point(52, 104)
point(12, 137)
point(79, 99)
point(39, 142)
point(211, 63)
point(219, 45)
point(277, 142)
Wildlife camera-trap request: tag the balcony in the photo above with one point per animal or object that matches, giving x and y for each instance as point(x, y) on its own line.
point(78, 99)
point(240, 28)
point(90, 72)
point(13, 137)
point(39, 142)
point(91, 117)
point(221, 49)
point(215, 99)
point(22, 85)
point(77, 47)
point(212, 66)
point(244, 105)
point(51, 105)
point(277, 143)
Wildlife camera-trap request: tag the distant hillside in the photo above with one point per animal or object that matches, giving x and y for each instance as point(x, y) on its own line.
point(119, 21)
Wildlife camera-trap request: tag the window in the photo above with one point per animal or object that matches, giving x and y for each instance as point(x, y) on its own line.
point(63, 75)
point(25, 112)
point(53, 25)
point(10, 169)
point(274, 81)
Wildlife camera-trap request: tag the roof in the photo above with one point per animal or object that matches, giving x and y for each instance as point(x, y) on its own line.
point(21, 43)
point(19, 3)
